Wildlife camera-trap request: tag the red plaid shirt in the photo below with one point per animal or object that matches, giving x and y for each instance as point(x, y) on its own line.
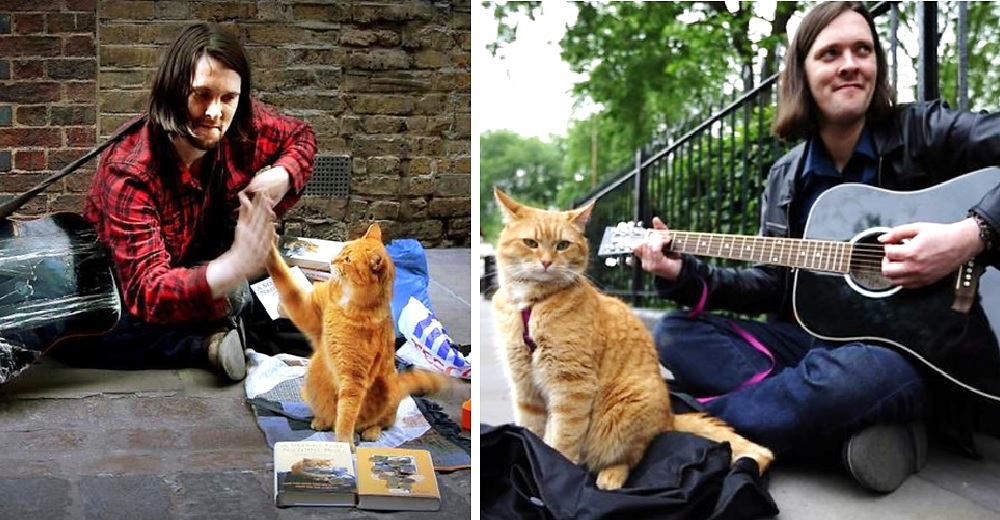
point(148, 208)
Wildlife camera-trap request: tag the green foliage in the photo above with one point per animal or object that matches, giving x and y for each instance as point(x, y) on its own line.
point(503, 12)
point(651, 66)
point(529, 169)
point(984, 53)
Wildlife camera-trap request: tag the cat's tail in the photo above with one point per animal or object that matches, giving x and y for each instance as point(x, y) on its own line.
point(420, 382)
point(717, 430)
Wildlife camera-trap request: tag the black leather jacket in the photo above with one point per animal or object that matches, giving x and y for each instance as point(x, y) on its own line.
point(920, 146)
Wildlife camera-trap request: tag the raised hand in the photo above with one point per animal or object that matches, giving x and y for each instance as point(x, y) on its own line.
point(252, 243)
point(272, 182)
point(254, 233)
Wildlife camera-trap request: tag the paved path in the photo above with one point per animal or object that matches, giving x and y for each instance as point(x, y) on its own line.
point(950, 487)
point(81, 444)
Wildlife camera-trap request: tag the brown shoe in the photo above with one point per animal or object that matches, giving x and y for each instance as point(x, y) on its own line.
point(226, 354)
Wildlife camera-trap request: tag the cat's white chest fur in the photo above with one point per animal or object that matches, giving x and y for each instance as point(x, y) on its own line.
point(519, 295)
point(345, 296)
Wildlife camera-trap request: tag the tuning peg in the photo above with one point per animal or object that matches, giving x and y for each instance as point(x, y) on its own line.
point(611, 261)
point(629, 261)
point(638, 224)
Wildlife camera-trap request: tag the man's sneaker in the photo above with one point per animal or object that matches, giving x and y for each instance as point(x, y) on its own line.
point(226, 353)
point(882, 456)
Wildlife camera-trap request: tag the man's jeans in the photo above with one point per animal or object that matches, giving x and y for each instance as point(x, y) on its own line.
point(815, 396)
point(134, 344)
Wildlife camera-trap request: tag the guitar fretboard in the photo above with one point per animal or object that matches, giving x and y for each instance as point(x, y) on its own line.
point(815, 255)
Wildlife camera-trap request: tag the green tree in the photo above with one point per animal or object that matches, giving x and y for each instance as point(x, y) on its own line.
point(529, 169)
point(651, 66)
point(983, 48)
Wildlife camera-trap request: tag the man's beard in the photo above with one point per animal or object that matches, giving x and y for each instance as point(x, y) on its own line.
point(199, 143)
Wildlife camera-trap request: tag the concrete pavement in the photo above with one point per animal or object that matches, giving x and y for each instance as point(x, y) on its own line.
point(81, 444)
point(949, 487)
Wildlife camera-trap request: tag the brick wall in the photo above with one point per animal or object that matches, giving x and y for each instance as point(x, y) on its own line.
point(385, 83)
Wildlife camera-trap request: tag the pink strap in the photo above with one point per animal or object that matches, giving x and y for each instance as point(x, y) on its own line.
point(749, 338)
point(528, 342)
point(756, 378)
point(700, 307)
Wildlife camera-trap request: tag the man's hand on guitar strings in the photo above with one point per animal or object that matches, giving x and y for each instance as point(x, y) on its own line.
point(922, 253)
point(653, 255)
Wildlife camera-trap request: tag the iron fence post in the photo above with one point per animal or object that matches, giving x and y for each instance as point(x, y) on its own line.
point(640, 214)
point(928, 85)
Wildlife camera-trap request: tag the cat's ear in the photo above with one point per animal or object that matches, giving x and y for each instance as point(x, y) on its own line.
point(374, 232)
point(375, 262)
point(582, 215)
point(509, 206)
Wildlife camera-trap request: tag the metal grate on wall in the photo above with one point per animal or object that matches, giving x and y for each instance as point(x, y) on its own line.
point(331, 176)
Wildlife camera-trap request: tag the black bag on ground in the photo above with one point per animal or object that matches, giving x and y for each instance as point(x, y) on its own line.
point(269, 336)
point(681, 477)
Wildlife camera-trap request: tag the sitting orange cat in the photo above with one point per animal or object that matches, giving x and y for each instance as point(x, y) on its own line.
point(583, 369)
point(351, 383)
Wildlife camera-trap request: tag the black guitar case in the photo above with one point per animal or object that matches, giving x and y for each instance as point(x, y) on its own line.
point(56, 278)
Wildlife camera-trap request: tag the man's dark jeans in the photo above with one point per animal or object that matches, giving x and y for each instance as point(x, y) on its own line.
point(814, 398)
point(134, 344)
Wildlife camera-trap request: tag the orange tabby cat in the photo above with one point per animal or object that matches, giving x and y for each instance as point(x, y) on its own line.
point(585, 375)
point(351, 383)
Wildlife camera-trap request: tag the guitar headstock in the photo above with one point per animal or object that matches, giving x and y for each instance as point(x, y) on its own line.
point(619, 240)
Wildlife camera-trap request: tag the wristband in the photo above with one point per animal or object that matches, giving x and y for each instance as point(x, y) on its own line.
point(986, 233)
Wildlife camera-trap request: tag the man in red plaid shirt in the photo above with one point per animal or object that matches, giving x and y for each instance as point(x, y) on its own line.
point(185, 202)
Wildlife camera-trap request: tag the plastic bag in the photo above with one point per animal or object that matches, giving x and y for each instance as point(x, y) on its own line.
point(428, 344)
point(412, 278)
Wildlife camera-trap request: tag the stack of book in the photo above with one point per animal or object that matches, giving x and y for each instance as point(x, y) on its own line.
point(312, 255)
point(309, 259)
point(317, 473)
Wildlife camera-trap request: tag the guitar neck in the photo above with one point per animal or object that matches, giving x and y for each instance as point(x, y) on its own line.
point(814, 255)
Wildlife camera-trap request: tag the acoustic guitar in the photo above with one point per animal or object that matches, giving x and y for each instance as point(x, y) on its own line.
point(839, 293)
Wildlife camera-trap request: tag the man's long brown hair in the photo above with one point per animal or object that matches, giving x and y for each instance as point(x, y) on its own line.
point(797, 117)
point(172, 85)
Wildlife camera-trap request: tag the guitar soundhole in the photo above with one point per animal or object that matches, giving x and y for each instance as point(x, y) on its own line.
point(865, 275)
point(870, 280)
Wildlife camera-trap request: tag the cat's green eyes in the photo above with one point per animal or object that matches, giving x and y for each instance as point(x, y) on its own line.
point(562, 245)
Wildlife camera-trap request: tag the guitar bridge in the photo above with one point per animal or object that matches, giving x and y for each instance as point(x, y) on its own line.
point(966, 285)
